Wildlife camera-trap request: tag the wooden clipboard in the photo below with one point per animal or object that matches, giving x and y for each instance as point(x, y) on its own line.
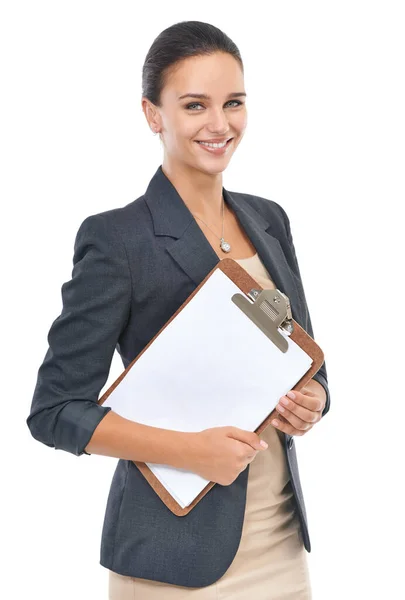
point(246, 283)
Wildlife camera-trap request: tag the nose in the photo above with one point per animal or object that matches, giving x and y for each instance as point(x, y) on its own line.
point(218, 122)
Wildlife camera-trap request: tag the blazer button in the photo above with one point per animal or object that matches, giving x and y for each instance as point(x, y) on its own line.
point(290, 442)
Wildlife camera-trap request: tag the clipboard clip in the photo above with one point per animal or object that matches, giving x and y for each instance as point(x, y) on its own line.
point(270, 309)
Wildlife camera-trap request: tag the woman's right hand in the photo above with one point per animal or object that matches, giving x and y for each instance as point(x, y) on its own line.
point(220, 454)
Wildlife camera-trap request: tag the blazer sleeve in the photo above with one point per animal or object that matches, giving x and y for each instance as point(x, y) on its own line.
point(95, 309)
point(321, 375)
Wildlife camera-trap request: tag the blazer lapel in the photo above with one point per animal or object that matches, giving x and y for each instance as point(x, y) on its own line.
point(268, 248)
point(191, 249)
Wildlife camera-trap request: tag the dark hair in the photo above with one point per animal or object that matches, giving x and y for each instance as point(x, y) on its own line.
point(181, 40)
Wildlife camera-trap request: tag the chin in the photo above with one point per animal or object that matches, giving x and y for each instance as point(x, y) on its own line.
point(212, 165)
point(212, 169)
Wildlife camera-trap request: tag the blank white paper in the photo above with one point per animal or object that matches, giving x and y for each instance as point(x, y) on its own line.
point(210, 367)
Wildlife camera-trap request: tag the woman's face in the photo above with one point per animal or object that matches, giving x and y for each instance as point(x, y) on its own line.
point(221, 114)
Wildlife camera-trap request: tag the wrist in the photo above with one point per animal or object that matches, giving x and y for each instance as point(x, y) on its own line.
point(184, 450)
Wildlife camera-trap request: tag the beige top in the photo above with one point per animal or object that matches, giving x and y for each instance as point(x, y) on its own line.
point(254, 266)
point(271, 560)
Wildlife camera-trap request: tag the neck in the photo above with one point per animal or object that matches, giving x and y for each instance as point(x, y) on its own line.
point(201, 192)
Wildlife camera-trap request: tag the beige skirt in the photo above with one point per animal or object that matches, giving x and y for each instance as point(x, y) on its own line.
point(271, 561)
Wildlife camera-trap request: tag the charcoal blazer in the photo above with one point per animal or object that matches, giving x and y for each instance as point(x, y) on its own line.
point(133, 267)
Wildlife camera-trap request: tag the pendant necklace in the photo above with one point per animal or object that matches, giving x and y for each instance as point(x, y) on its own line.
point(225, 246)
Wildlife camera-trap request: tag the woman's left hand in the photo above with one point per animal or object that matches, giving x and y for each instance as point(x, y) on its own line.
point(299, 414)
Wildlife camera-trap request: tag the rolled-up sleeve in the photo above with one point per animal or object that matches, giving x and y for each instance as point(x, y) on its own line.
point(96, 304)
point(321, 375)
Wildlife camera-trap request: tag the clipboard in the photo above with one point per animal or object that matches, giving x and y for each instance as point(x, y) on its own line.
point(269, 310)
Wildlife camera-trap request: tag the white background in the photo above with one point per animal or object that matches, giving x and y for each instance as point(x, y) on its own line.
point(325, 140)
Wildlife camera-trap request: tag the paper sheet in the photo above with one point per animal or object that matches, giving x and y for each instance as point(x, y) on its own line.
point(210, 367)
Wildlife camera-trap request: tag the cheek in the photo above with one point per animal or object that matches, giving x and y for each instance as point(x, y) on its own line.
point(178, 129)
point(241, 123)
point(178, 138)
point(184, 132)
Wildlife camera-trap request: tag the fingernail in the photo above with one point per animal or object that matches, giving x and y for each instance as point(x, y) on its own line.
point(275, 422)
point(290, 395)
point(264, 444)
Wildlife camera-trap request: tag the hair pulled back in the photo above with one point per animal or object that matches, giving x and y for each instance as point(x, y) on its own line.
point(176, 43)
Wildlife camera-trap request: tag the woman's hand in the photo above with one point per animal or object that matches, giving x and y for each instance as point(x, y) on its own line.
point(220, 454)
point(299, 411)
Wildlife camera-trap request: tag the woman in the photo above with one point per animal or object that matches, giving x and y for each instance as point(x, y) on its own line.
point(133, 267)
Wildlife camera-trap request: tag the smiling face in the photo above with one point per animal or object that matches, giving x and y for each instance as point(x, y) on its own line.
point(218, 113)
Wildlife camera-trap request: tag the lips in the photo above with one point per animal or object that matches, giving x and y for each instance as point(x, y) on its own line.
point(216, 150)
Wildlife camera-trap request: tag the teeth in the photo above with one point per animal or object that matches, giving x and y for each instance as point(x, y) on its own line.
point(210, 145)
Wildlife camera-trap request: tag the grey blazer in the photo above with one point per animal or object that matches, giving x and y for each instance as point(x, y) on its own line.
point(133, 267)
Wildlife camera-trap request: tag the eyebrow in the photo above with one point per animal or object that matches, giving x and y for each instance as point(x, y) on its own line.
point(205, 97)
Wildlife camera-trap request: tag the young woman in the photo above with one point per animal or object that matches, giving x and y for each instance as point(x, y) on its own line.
point(133, 267)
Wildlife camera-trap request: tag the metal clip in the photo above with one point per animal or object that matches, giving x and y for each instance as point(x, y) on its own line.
point(269, 310)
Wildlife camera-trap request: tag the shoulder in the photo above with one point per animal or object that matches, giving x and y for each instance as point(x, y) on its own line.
point(107, 233)
point(114, 221)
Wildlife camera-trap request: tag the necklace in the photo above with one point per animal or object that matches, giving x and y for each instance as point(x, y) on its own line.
point(225, 246)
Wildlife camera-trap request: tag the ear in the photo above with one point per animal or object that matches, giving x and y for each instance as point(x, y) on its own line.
point(152, 115)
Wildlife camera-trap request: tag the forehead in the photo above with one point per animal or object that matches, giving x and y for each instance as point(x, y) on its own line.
point(216, 75)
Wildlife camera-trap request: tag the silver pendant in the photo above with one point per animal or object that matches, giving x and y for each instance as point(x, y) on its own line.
point(225, 246)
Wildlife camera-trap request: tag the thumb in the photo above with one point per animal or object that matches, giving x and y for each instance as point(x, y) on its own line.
point(248, 437)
